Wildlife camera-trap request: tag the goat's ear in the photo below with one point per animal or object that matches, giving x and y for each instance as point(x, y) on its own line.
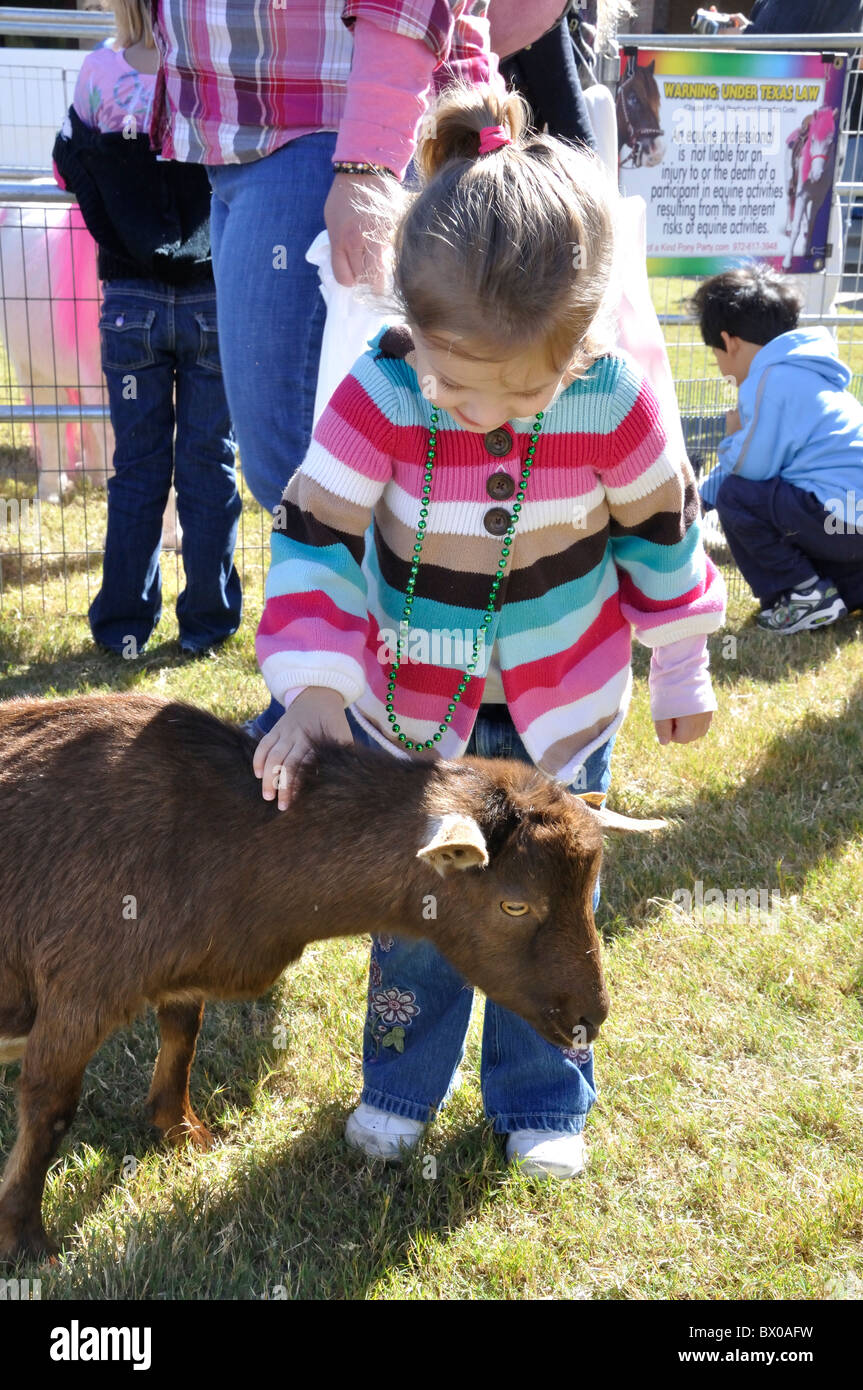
point(610, 820)
point(456, 842)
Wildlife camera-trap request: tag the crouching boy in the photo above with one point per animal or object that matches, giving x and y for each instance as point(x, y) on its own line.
point(790, 468)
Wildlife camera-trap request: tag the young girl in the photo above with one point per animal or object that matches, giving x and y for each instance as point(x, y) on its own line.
point(487, 509)
point(160, 352)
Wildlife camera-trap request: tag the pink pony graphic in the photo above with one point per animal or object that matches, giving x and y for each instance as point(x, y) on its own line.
point(50, 326)
point(810, 168)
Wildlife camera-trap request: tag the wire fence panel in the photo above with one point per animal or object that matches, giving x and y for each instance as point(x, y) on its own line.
point(36, 90)
point(55, 440)
point(56, 443)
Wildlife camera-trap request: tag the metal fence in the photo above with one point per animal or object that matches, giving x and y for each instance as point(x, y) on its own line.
point(56, 442)
point(55, 438)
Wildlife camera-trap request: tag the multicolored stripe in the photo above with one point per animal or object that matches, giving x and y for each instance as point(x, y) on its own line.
point(608, 541)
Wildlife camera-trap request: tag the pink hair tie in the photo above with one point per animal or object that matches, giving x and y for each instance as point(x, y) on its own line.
point(492, 137)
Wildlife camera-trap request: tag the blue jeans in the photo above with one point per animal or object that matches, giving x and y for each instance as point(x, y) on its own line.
point(526, 1082)
point(160, 356)
point(264, 216)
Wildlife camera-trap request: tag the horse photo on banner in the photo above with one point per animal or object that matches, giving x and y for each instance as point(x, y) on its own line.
point(734, 155)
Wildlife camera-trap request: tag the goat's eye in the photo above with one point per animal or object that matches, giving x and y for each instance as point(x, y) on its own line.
point(515, 909)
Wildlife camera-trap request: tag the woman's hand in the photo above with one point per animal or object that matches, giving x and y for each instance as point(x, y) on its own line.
point(318, 713)
point(686, 728)
point(356, 252)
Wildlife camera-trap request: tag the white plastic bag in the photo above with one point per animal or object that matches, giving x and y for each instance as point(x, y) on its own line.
point(639, 333)
point(638, 329)
point(351, 322)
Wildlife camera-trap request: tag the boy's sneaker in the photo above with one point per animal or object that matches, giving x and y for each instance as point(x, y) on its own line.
point(547, 1153)
point(816, 604)
point(380, 1134)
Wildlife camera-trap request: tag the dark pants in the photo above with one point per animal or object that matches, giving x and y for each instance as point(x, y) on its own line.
point(781, 536)
point(160, 356)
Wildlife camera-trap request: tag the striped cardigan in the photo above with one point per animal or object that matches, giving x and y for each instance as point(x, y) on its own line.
point(608, 540)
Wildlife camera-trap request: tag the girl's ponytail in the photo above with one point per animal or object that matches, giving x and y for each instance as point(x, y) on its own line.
point(452, 129)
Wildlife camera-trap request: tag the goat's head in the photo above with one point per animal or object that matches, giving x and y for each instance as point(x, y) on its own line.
point(512, 864)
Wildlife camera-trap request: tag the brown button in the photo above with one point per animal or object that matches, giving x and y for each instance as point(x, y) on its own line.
point(496, 520)
point(498, 442)
point(500, 486)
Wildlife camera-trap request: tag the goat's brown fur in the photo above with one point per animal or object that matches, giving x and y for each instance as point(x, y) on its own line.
point(139, 865)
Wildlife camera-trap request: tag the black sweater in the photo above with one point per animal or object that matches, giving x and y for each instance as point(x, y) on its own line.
point(547, 75)
point(149, 217)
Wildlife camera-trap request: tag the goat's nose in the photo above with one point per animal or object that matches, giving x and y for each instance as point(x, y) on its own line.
point(586, 1030)
point(588, 1025)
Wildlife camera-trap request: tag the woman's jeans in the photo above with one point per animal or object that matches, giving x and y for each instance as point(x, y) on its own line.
point(264, 217)
point(160, 356)
point(419, 1009)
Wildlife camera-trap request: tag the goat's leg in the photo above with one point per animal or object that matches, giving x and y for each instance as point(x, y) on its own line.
point(47, 1100)
point(170, 1107)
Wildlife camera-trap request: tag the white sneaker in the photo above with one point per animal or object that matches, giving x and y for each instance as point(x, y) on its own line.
point(380, 1134)
point(544, 1153)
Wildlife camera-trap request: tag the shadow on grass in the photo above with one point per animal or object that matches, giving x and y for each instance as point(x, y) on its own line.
point(18, 466)
point(21, 570)
point(748, 653)
point(764, 656)
point(77, 671)
point(796, 806)
point(306, 1214)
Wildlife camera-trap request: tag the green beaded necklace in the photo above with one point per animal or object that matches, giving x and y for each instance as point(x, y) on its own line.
point(412, 579)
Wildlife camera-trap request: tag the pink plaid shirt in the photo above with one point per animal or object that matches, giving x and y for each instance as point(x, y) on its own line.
point(240, 78)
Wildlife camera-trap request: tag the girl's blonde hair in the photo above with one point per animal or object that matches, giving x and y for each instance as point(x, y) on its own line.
point(507, 250)
point(132, 18)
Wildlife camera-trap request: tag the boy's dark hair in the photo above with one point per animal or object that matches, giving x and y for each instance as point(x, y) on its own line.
point(754, 302)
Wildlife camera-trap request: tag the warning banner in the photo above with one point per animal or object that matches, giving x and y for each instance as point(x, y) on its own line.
point(733, 153)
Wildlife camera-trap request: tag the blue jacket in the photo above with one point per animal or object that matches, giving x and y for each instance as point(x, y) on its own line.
point(798, 422)
point(804, 17)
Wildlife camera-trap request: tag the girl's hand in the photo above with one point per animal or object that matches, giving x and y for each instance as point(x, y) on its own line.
point(686, 728)
point(732, 421)
point(317, 713)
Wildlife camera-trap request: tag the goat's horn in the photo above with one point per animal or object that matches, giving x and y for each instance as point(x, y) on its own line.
point(611, 820)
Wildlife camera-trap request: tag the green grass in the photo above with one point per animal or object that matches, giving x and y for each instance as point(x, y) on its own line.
point(726, 1149)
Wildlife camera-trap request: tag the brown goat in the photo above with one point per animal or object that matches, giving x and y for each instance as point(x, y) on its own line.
point(140, 865)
